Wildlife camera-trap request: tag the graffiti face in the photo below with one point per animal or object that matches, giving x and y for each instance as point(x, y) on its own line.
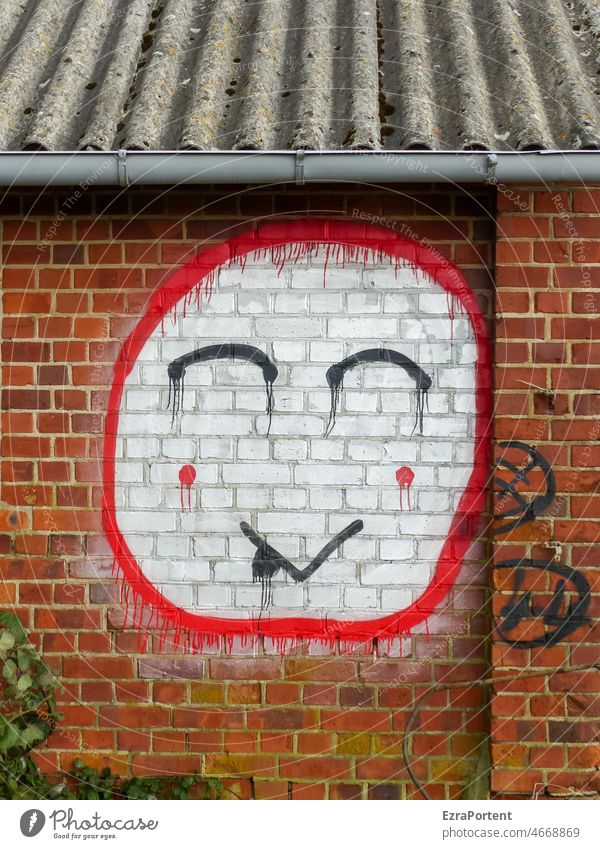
point(300, 451)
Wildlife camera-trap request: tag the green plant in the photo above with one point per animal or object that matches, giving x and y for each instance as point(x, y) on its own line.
point(28, 715)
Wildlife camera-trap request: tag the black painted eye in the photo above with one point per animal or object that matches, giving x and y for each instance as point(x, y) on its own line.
point(227, 351)
point(335, 379)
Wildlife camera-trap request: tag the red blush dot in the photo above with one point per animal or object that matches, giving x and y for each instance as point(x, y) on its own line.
point(187, 475)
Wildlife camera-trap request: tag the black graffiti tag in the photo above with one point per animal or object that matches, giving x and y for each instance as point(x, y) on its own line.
point(519, 510)
point(549, 619)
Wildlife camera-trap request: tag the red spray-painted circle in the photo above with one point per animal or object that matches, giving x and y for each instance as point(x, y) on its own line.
point(333, 234)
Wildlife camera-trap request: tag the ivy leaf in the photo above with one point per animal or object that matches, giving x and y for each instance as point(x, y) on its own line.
point(24, 658)
point(7, 640)
point(24, 683)
point(10, 737)
point(46, 678)
point(10, 671)
point(12, 622)
point(32, 734)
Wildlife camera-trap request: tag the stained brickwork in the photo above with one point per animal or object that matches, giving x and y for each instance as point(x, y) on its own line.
point(545, 731)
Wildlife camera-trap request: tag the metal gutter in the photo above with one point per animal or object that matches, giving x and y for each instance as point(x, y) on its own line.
point(145, 168)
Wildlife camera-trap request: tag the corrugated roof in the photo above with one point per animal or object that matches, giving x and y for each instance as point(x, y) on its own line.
point(290, 74)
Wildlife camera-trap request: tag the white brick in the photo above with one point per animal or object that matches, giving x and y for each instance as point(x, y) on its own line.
point(215, 522)
point(456, 378)
point(177, 570)
point(362, 328)
point(304, 523)
point(178, 449)
point(248, 596)
point(234, 571)
point(400, 452)
point(142, 497)
point(146, 521)
point(128, 471)
point(251, 399)
point(364, 450)
point(141, 399)
point(227, 328)
point(321, 303)
point(204, 425)
point(361, 598)
point(218, 449)
point(399, 303)
point(254, 303)
point(210, 596)
point(290, 302)
point(320, 402)
point(214, 399)
point(434, 352)
point(325, 499)
point(363, 302)
point(435, 303)
point(361, 402)
point(172, 546)
point(350, 424)
point(141, 546)
point(396, 549)
point(396, 402)
point(208, 546)
point(288, 328)
point(290, 449)
point(383, 574)
point(289, 596)
point(362, 499)
point(178, 594)
point(252, 498)
point(380, 525)
point(396, 599)
point(253, 449)
point(254, 473)
point(147, 424)
point(219, 498)
point(220, 302)
point(142, 447)
point(291, 425)
point(289, 499)
point(324, 596)
point(465, 404)
point(326, 352)
point(359, 549)
point(434, 501)
point(320, 473)
point(436, 452)
point(285, 351)
point(327, 449)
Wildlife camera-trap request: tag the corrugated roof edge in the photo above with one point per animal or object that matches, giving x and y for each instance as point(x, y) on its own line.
point(173, 168)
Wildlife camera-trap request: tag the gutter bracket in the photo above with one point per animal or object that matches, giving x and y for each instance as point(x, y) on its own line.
point(122, 169)
point(300, 161)
point(490, 171)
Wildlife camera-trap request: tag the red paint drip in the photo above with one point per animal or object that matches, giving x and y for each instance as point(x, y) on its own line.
point(187, 476)
point(405, 477)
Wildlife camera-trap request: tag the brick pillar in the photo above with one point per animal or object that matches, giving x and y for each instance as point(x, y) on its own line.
point(546, 577)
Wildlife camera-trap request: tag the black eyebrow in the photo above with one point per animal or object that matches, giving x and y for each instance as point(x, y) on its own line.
point(226, 351)
point(335, 378)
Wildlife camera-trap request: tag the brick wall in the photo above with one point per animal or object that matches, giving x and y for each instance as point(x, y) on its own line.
point(546, 730)
point(320, 722)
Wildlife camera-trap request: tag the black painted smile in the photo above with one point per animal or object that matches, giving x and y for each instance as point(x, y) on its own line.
point(268, 561)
